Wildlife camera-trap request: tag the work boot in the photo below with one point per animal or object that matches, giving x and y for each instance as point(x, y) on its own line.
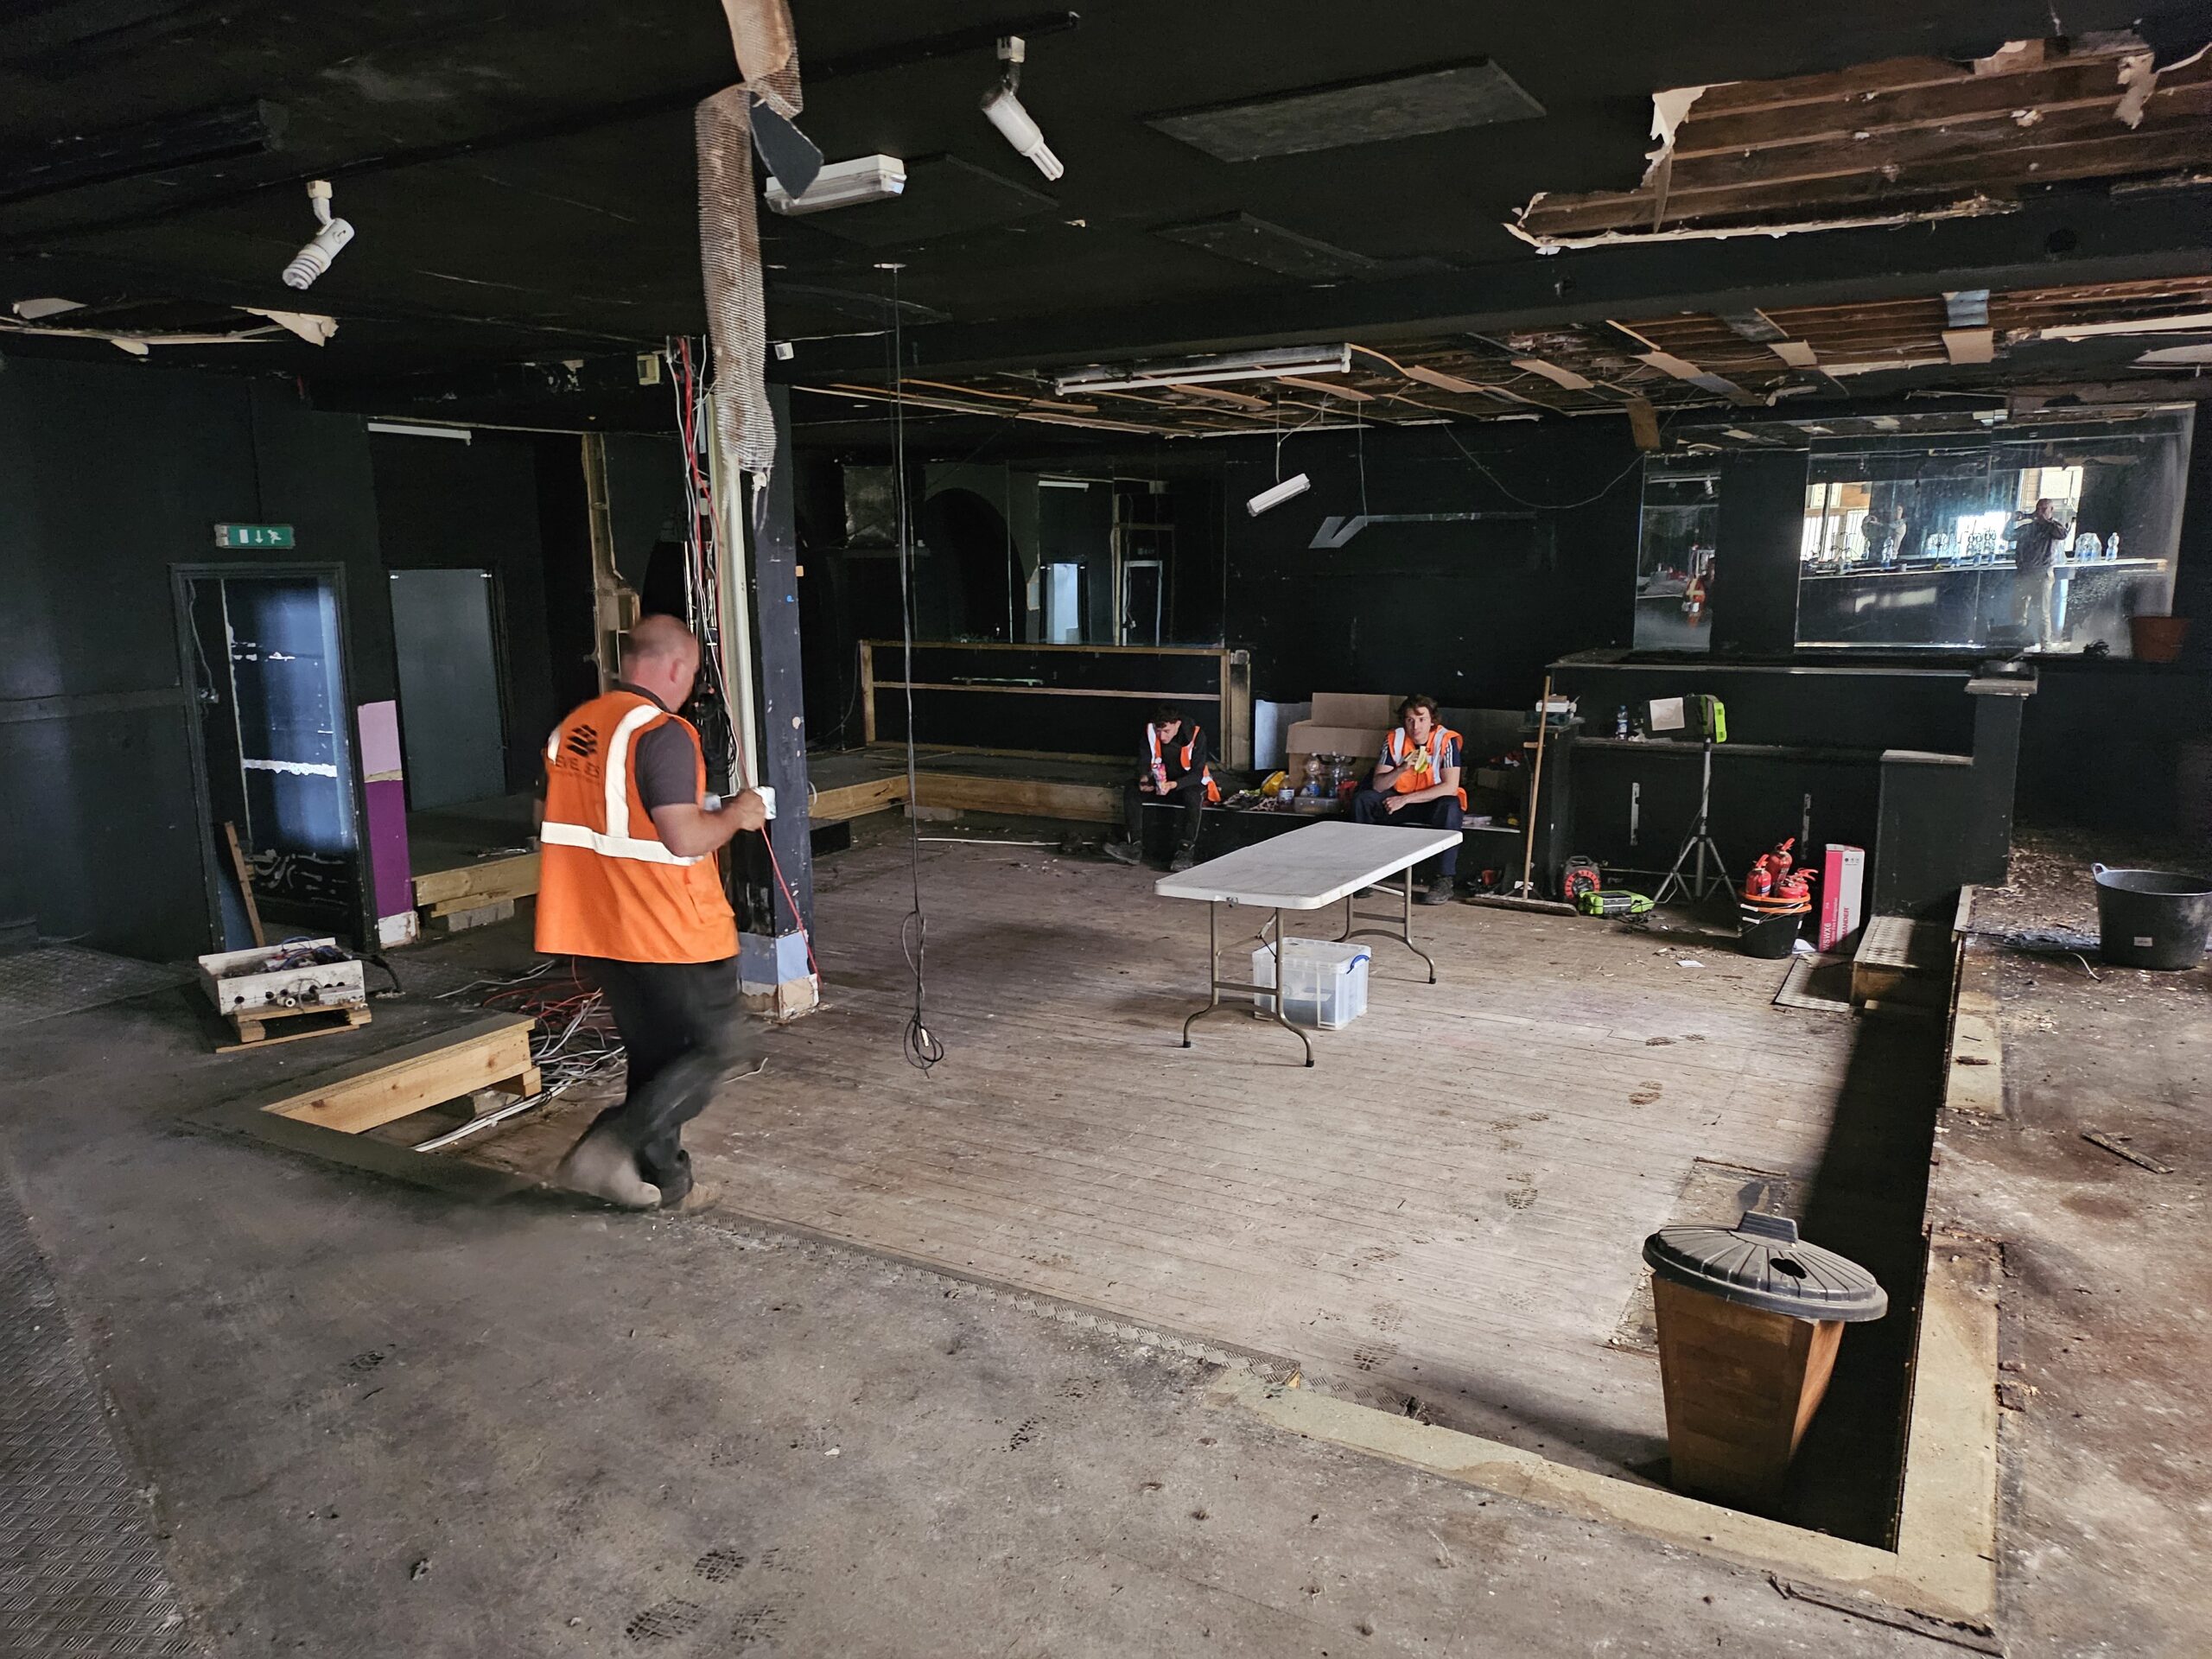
point(1438, 892)
point(1182, 860)
point(1123, 852)
point(601, 1166)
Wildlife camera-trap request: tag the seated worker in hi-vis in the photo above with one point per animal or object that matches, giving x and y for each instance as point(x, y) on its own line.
point(1417, 783)
point(1172, 767)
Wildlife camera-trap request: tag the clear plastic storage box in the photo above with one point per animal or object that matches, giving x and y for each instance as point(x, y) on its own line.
point(1324, 983)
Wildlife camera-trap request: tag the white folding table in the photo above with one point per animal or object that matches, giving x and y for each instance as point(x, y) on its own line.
point(1305, 870)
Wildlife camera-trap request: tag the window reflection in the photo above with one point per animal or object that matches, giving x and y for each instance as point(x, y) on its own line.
point(2043, 532)
point(1681, 517)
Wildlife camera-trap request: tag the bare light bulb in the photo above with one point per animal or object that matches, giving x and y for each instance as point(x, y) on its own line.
point(1019, 128)
point(311, 261)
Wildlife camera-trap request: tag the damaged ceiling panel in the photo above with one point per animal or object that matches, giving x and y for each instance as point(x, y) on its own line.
point(1634, 366)
point(1888, 143)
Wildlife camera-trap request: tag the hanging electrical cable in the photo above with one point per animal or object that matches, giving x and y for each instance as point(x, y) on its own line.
point(923, 1050)
point(1522, 500)
point(702, 597)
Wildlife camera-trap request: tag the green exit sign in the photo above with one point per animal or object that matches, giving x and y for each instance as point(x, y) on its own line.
point(253, 535)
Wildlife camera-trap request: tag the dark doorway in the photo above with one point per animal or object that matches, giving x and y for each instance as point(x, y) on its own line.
point(968, 535)
point(451, 721)
point(265, 660)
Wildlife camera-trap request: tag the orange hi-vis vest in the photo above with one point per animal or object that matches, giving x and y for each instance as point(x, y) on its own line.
point(608, 885)
point(1418, 768)
point(1182, 760)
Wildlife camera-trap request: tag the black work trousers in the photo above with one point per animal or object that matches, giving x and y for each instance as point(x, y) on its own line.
point(685, 1033)
point(1372, 806)
point(1188, 792)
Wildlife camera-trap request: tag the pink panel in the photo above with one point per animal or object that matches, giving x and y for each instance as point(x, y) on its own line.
point(379, 723)
point(387, 815)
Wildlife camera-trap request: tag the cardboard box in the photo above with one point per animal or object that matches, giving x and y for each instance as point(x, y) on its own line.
point(1308, 737)
point(1843, 876)
point(1364, 710)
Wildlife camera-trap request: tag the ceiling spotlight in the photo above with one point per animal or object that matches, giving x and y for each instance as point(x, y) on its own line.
point(1275, 495)
point(842, 184)
point(311, 261)
point(1002, 108)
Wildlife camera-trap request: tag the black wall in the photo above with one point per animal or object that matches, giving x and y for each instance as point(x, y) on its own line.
point(110, 475)
point(1754, 587)
point(1469, 612)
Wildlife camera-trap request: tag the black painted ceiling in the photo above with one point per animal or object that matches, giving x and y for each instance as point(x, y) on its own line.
point(522, 181)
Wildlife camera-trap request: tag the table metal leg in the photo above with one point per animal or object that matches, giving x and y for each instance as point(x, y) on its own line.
point(1404, 933)
point(1216, 985)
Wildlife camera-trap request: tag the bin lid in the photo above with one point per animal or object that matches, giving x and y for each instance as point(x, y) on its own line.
point(1761, 1262)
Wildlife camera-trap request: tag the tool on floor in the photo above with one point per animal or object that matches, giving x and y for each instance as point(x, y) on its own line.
point(1613, 902)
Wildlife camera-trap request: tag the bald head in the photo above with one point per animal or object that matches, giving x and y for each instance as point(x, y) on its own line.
point(659, 655)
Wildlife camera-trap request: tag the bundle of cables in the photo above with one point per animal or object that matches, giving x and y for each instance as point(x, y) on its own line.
point(574, 1042)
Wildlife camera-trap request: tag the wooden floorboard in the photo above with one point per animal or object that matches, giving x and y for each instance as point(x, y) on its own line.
point(1450, 1207)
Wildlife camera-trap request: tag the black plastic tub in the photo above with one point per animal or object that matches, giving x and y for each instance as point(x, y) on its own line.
point(1772, 937)
point(2152, 918)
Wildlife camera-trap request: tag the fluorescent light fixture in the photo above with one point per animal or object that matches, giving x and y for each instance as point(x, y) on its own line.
point(843, 184)
point(1295, 485)
point(1202, 371)
point(407, 429)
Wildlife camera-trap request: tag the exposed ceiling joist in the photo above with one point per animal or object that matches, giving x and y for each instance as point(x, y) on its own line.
point(1903, 139)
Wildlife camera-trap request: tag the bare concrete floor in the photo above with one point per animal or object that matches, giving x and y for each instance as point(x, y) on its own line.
point(373, 1422)
point(2106, 1528)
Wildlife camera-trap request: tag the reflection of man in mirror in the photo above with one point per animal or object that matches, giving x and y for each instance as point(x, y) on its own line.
point(1882, 528)
point(1693, 589)
point(2035, 537)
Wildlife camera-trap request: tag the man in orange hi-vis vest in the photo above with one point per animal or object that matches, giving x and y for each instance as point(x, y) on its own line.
point(1416, 781)
point(628, 885)
point(1171, 767)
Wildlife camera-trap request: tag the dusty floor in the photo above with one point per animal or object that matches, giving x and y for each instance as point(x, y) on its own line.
point(1446, 1210)
point(371, 1421)
point(2107, 1533)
